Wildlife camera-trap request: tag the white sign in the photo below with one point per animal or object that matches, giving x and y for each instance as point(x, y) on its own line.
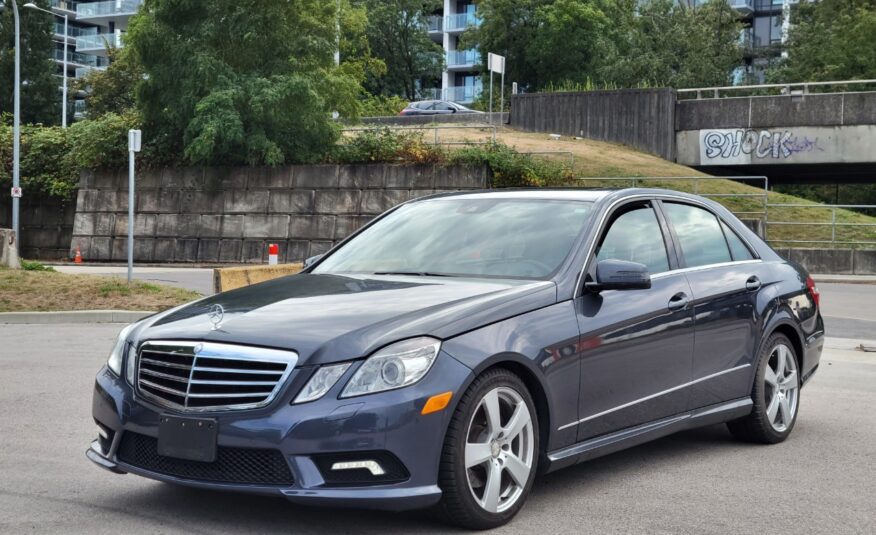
point(16, 192)
point(134, 140)
point(496, 63)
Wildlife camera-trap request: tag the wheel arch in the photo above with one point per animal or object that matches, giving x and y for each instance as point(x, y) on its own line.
point(792, 334)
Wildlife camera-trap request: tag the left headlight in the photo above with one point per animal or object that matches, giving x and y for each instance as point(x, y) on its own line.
point(114, 362)
point(395, 366)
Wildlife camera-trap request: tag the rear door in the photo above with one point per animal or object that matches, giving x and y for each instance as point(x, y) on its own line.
point(636, 346)
point(725, 278)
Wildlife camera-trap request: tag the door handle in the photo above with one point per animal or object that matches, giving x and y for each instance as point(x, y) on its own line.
point(679, 301)
point(752, 284)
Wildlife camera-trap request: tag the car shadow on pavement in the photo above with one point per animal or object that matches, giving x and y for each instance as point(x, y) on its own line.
point(197, 510)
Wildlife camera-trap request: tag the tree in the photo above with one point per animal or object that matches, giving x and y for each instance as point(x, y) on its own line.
point(40, 95)
point(674, 45)
point(398, 35)
point(240, 81)
point(829, 40)
point(112, 90)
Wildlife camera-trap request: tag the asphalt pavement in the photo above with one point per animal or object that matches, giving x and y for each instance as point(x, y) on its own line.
point(822, 480)
point(191, 278)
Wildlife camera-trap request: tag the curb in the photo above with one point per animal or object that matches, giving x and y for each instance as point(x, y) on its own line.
point(73, 316)
point(844, 279)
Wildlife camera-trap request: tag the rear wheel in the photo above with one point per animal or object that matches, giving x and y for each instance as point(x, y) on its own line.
point(776, 395)
point(490, 452)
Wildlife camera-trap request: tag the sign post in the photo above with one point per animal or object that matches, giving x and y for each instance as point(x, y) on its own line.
point(134, 145)
point(496, 63)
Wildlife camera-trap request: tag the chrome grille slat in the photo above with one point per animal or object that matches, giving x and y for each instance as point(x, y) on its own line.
point(163, 364)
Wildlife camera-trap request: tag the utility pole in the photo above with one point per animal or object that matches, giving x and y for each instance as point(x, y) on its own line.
point(134, 145)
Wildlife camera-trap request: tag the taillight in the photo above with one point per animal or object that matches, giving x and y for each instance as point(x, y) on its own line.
point(813, 291)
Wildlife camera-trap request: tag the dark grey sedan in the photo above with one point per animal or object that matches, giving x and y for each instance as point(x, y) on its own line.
point(435, 107)
point(458, 345)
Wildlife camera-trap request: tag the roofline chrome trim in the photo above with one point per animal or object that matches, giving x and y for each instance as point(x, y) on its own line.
point(653, 197)
point(705, 267)
point(652, 396)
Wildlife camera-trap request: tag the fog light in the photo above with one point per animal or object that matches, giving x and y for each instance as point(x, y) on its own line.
point(372, 466)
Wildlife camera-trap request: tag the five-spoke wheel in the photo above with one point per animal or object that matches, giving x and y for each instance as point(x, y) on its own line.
point(781, 387)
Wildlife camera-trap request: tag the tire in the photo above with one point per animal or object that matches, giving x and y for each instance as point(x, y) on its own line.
point(776, 395)
point(467, 493)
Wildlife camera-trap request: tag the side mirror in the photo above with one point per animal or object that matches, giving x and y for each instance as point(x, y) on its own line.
point(620, 275)
point(309, 261)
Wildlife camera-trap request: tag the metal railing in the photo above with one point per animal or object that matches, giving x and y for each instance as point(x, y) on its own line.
point(66, 5)
point(435, 137)
point(435, 23)
point(88, 60)
point(785, 89)
point(833, 224)
point(99, 41)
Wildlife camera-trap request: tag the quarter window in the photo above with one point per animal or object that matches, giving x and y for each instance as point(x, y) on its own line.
point(699, 235)
point(737, 248)
point(636, 236)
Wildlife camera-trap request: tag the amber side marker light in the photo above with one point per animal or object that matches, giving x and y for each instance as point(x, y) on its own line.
point(436, 403)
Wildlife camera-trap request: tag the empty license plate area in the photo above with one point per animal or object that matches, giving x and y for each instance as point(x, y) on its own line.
point(193, 439)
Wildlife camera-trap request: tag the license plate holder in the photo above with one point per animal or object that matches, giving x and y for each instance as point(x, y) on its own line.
point(193, 439)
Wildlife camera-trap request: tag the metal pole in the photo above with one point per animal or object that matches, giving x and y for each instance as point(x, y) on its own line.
point(502, 94)
point(833, 227)
point(16, 125)
point(130, 215)
point(64, 90)
point(490, 112)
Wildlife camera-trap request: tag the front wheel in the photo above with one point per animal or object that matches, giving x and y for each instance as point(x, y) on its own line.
point(776, 395)
point(490, 452)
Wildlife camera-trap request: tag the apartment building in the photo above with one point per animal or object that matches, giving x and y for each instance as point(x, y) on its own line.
point(461, 79)
point(766, 25)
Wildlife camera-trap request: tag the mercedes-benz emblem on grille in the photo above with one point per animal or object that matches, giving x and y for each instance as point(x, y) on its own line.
point(216, 314)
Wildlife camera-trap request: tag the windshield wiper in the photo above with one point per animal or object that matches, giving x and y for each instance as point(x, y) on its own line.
point(412, 273)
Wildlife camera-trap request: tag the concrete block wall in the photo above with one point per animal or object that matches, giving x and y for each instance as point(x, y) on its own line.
point(833, 261)
point(229, 215)
point(46, 226)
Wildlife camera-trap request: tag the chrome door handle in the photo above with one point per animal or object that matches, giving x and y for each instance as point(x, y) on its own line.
point(752, 284)
point(678, 302)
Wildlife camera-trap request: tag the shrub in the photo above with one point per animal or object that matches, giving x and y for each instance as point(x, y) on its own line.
point(381, 106)
point(33, 265)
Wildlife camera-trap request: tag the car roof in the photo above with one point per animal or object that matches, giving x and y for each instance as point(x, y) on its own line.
point(579, 194)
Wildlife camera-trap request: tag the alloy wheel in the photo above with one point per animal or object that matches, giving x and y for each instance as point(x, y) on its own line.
point(782, 388)
point(499, 449)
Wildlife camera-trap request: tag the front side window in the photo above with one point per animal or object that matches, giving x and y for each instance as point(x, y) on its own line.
point(699, 235)
point(636, 236)
point(465, 236)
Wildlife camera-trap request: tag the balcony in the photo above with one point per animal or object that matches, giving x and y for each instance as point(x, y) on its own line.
point(63, 5)
point(116, 11)
point(744, 7)
point(84, 60)
point(73, 31)
point(82, 71)
point(435, 24)
point(457, 59)
point(97, 43)
point(460, 22)
point(463, 94)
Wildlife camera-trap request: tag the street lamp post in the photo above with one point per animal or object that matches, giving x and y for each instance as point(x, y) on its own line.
point(16, 123)
point(31, 5)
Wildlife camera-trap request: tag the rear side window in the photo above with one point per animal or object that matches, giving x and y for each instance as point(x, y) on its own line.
point(636, 236)
point(737, 248)
point(699, 235)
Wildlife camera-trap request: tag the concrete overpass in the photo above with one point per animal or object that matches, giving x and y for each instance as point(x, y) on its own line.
point(795, 137)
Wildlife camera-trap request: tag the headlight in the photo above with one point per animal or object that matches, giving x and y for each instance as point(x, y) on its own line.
point(397, 365)
point(114, 362)
point(321, 382)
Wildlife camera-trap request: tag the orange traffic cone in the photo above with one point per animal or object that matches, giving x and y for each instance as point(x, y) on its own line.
point(78, 258)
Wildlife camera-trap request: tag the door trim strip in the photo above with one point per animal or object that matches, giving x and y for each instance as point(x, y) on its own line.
point(652, 396)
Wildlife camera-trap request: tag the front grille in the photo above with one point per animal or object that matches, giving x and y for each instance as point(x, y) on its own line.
point(205, 376)
point(232, 465)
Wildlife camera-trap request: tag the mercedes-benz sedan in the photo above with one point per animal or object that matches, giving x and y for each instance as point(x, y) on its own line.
point(458, 345)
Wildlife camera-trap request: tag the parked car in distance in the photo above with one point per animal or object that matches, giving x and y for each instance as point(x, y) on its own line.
point(460, 344)
point(435, 107)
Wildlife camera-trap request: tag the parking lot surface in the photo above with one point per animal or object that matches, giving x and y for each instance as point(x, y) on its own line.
point(822, 480)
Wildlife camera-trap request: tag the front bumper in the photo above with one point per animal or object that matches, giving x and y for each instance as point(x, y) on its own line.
point(384, 422)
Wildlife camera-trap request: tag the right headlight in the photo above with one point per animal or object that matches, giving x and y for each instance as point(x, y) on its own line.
point(395, 366)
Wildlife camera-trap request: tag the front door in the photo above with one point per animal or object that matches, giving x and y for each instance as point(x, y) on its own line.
point(636, 345)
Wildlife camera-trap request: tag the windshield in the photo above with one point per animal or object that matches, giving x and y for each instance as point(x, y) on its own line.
point(457, 236)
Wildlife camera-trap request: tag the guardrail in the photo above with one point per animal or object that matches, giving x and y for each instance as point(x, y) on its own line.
point(833, 224)
point(795, 89)
point(493, 129)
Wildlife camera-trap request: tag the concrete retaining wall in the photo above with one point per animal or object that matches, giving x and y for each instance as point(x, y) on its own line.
point(231, 214)
point(833, 261)
point(46, 226)
point(641, 118)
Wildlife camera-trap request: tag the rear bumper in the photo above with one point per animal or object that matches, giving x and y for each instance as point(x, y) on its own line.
point(387, 422)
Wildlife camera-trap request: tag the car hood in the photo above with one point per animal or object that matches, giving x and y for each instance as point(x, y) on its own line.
point(329, 318)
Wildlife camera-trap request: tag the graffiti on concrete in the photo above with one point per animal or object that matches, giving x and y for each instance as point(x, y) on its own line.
point(759, 143)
